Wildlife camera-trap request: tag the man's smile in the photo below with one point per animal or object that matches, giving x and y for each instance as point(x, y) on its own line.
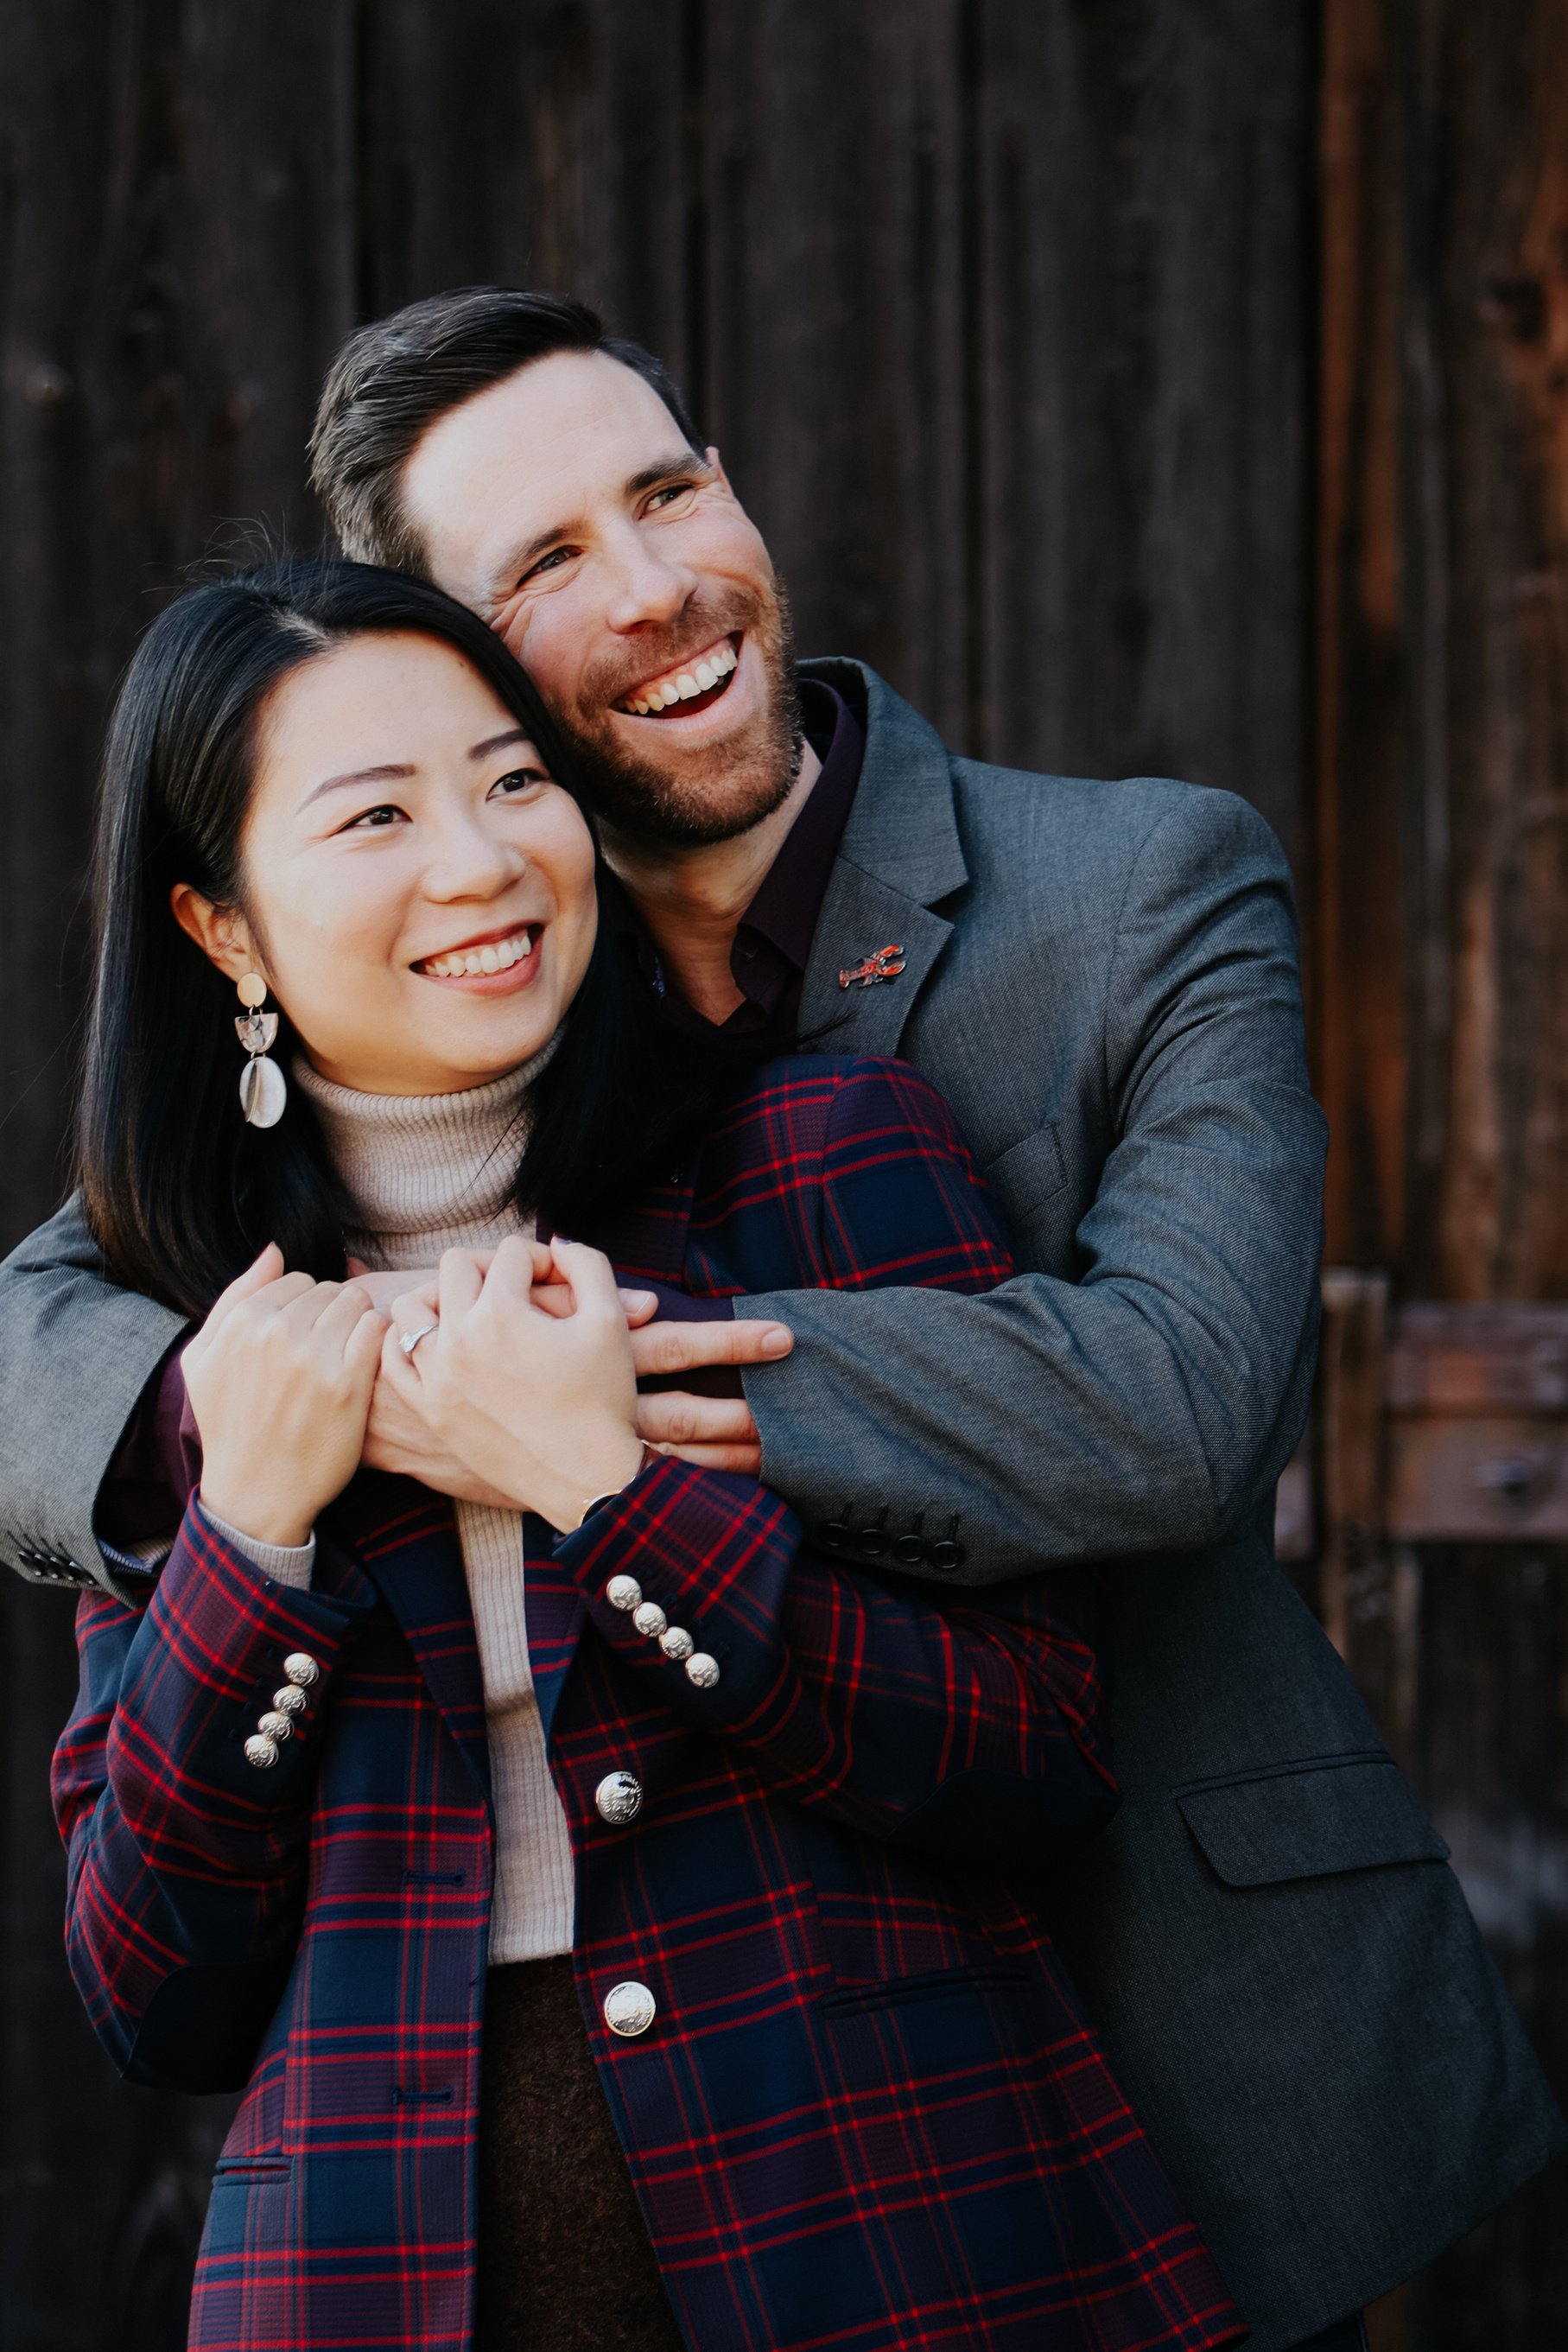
point(694, 684)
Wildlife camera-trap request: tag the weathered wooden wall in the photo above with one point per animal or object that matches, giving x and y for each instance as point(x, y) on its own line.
point(1007, 316)
point(1439, 931)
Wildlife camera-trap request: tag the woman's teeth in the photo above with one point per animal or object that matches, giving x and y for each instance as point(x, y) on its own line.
point(496, 955)
point(681, 685)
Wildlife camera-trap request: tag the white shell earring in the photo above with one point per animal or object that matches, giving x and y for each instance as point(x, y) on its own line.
point(262, 1087)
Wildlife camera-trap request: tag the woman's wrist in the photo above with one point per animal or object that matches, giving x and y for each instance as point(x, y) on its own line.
point(610, 1472)
point(265, 1519)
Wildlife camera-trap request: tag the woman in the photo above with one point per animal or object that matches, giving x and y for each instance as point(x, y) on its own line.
point(657, 1942)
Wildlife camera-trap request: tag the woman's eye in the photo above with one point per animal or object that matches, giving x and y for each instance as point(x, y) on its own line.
point(383, 815)
point(517, 780)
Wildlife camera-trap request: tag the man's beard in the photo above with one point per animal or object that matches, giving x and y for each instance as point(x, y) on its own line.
point(702, 796)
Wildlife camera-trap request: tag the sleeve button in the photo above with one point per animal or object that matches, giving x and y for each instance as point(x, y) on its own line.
point(677, 1643)
point(623, 1593)
point(274, 1726)
point(947, 1554)
point(650, 1620)
point(702, 1670)
point(290, 1699)
point(260, 1752)
point(301, 1667)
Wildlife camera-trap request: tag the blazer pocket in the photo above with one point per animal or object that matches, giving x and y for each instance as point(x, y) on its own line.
point(1029, 1173)
point(1310, 1820)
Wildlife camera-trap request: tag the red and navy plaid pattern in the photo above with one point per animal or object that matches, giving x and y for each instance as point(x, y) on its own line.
point(869, 2112)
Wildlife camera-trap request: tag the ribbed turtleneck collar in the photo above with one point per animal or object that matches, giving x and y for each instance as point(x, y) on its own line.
point(426, 1172)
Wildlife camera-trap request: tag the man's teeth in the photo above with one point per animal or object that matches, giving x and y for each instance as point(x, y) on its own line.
point(679, 686)
point(496, 955)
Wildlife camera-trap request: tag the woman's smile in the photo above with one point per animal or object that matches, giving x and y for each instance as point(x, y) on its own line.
point(493, 963)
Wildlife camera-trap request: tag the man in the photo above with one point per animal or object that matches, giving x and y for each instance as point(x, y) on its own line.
point(1102, 980)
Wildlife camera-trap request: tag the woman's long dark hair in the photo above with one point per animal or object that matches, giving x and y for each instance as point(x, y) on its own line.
point(179, 1192)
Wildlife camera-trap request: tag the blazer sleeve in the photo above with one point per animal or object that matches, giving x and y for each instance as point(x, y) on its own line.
point(979, 1733)
point(185, 1862)
point(1151, 1404)
point(76, 1354)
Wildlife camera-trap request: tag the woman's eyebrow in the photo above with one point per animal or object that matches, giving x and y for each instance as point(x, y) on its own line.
point(499, 743)
point(356, 776)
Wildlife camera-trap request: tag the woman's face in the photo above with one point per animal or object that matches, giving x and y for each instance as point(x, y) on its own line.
point(420, 895)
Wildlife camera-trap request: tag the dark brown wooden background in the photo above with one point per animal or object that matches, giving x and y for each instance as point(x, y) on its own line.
point(1173, 384)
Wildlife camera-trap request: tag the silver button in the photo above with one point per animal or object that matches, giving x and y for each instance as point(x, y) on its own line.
point(272, 1725)
point(649, 1618)
point(623, 1593)
point(629, 2008)
point(703, 1670)
point(619, 1798)
point(260, 1752)
point(290, 1699)
point(301, 1668)
point(676, 1643)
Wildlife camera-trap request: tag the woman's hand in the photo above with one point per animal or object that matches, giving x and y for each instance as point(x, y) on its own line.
point(279, 1378)
point(539, 1405)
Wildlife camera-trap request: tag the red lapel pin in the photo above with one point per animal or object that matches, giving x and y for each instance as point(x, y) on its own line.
point(880, 966)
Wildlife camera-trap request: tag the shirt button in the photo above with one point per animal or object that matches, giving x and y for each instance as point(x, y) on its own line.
point(676, 1643)
point(650, 1618)
point(703, 1670)
point(619, 1798)
point(301, 1668)
point(629, 2010)
point(623, 1593)
point(260, 1752)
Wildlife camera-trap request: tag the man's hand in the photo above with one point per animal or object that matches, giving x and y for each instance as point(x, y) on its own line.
point(713, 1432)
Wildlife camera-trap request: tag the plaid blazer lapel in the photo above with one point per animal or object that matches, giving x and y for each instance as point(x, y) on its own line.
point(405, 1539)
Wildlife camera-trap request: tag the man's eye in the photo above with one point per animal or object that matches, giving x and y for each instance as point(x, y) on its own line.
point(557, 555)
point(671, 491)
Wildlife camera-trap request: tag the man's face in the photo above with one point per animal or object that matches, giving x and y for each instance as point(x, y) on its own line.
point(623, 571)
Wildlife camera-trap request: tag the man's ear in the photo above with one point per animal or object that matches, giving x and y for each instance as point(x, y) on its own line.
point(221, 932)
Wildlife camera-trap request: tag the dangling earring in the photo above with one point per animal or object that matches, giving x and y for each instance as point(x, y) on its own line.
point(262, 1088)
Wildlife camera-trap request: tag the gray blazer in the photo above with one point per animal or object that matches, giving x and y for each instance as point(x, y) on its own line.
point(1101, 978)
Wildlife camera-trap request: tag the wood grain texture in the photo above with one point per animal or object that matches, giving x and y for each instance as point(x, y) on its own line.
point(1140, 384)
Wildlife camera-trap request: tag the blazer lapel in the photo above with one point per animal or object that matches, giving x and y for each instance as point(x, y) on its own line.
point(901, 853)
point(861, 914)
point(405, 1539)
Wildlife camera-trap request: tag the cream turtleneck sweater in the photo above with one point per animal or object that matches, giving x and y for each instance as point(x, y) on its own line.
point(428, 1173)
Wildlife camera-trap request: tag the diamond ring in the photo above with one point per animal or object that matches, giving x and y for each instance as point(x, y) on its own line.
point(409, 1340)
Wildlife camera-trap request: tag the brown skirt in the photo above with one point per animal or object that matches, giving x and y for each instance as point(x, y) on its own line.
point(565, 2264)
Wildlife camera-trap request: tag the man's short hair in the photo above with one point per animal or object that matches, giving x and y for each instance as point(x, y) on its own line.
point(393, 379)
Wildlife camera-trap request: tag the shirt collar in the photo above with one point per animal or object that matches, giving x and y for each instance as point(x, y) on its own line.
point(789, 898)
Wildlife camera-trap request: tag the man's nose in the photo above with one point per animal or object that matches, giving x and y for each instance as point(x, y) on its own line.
point(643, 585)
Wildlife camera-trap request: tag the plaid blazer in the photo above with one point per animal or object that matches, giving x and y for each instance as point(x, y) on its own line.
point(868, 2112)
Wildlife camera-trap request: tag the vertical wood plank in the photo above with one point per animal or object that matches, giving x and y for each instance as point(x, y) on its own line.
point(175, 267)
point(1146, 365)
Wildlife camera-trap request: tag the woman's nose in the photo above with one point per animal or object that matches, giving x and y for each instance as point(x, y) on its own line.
point(471, 859)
